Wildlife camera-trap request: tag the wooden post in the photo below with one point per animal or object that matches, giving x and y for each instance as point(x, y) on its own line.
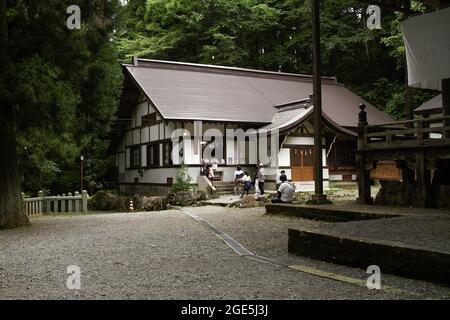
point(423, 185)
point(363, 175)
point(84, 196)
point(446, 105)
point(318, 197)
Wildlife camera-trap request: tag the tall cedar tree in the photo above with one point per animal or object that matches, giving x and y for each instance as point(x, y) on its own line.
point(58, 89)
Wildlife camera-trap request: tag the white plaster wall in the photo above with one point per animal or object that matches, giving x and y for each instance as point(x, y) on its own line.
point(145, 135)
point(144, 156)
point(140, 111)
point(129, 138)
point(154, 133)
point(284, 157)
point(169, 128)
point(161, 131)
point(299, 140)
point(136, 136)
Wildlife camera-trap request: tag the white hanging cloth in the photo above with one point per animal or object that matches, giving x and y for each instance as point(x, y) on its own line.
point(427, 44)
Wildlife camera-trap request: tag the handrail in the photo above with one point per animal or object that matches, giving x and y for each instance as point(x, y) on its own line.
point(429, 120)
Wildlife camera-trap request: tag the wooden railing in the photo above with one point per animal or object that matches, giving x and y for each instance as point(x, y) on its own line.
point(69, 203)
point(403, 134)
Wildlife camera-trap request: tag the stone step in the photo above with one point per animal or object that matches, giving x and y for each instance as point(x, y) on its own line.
point(224, 187)
point(223, 183)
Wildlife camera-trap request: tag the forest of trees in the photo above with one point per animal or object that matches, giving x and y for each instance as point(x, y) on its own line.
point(59, 88)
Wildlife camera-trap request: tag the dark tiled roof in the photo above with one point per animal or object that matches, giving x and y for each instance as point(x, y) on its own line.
point(192, 91)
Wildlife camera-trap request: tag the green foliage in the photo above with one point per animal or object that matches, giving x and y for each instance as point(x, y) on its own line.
point(105, 201)
point(275, 35)
point(182, 180)
point(65, 85)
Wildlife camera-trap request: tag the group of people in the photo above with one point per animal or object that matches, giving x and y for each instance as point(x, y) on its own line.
point(242, 180)
point(243, 183)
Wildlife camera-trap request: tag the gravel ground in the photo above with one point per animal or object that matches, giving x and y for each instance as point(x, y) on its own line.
point(423, 231)
point(267, 236)
point(167, 255)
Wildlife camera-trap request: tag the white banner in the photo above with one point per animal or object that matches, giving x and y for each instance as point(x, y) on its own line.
point(427, 44)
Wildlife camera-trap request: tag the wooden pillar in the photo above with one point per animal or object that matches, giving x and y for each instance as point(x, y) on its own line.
point(317, 103)
point(423, 185)
point(446, 104)
point(363, 175)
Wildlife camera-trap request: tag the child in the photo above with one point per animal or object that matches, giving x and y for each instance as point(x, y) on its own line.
point(247, 182)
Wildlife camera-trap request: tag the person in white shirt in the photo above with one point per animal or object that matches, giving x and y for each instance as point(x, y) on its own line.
point(256, 181)
point(285, 191)
point(261, 177)
point(246, 184)
point(238, 174)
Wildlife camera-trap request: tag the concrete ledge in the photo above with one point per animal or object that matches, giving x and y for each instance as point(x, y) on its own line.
point(392, 258)
point(322, 213)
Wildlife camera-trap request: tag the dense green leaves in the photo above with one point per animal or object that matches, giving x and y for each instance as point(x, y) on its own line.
point(64, 85)
point(274, 35)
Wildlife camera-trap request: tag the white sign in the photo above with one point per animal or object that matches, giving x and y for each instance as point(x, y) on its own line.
point(374, 19)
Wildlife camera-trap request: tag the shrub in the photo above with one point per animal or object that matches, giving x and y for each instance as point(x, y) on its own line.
point(182, 180)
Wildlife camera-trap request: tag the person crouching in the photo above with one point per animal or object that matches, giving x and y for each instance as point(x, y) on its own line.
point(285, 192)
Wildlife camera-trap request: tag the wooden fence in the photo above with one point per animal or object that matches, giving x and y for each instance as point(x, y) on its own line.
point(417, 133)
point(56, 204)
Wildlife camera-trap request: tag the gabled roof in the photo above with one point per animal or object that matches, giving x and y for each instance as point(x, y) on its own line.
point(431, 106)
point(187, 91)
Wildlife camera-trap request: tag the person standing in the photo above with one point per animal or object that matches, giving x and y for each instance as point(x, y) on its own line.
point(238, 174)
point(247, 184)
point(211, 174)
point(261, 178)
point(255, 178)
point(283, 173)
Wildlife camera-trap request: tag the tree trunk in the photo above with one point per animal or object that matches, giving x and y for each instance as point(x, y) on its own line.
point(12, 214)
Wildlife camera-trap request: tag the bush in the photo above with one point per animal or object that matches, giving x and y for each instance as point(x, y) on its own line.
point(104, 201)
point(182, 180)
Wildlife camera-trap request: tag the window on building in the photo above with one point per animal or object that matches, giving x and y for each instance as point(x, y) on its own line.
point(153, 155)
point(135, 157)
point(167, 153)
point(149, 119)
